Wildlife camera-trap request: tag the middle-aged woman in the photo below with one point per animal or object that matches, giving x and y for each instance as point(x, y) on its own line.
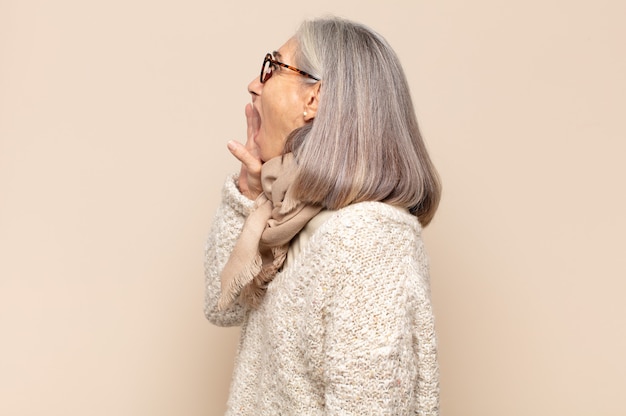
point(316, 248)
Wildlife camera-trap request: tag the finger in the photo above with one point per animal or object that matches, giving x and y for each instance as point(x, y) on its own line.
point(249, 160)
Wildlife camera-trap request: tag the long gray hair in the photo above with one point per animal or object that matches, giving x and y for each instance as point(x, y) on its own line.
point(364, 143)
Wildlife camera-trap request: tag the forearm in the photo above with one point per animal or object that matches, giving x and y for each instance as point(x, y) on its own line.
point(225, 231)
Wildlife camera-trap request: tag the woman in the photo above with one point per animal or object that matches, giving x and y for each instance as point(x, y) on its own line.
point(316, 248)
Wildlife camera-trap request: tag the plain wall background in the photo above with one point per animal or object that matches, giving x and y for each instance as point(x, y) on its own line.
point(114, 116)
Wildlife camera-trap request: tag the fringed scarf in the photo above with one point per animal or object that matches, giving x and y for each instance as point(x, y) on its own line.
point(262, 246)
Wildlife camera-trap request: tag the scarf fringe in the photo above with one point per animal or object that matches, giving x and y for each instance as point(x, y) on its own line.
point(241, 280)
point(253, 292)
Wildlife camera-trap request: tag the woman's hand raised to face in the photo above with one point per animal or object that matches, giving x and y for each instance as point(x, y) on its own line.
point(248, 155)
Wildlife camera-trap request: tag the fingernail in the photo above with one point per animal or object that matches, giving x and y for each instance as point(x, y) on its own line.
point(231, 145)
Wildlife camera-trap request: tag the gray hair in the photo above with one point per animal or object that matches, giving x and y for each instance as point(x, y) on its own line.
point(364, 143)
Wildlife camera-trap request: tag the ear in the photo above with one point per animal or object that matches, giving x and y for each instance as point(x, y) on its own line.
point(312, 97)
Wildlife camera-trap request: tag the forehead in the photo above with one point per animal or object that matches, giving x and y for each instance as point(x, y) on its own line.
point(287, 51)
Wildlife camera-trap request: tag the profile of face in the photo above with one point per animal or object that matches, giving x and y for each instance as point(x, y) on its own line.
point(281, 102)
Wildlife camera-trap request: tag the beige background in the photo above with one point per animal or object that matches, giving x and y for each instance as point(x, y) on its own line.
point(114, 117)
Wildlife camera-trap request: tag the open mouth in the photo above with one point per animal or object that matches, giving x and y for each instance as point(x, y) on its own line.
point(255, 123)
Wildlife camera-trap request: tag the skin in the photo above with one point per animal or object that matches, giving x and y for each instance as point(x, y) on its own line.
point(277, 108)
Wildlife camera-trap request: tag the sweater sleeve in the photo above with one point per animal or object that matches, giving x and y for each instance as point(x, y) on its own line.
point(379, 342)
point(224, 232)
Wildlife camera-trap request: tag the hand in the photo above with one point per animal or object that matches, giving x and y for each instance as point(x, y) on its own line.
point(250, 174)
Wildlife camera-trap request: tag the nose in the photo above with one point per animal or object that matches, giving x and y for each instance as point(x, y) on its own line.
point(255, 87)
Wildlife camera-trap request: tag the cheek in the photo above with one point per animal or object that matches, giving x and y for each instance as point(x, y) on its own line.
point(274, 119)
point(270, 140)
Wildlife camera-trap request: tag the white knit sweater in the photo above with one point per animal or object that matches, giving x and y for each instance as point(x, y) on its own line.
point(346, 328)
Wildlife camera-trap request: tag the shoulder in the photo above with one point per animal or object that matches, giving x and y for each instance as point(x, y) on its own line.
point(369, 235)
point(373, 219)
point(370, 250)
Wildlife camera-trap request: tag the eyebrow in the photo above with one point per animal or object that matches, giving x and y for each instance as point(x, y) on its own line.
point(276, 54)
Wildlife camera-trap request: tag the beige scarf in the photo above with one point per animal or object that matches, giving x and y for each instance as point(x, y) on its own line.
point(262, 246)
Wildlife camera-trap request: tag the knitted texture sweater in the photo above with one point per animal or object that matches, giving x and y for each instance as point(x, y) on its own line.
point(346, 328)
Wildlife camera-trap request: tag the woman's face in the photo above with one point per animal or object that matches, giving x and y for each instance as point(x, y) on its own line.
point(280, 102)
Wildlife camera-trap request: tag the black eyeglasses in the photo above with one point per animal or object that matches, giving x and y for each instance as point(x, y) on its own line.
point(269, 64)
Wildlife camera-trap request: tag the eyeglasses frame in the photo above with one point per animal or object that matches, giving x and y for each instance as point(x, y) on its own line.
point(270, 58)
